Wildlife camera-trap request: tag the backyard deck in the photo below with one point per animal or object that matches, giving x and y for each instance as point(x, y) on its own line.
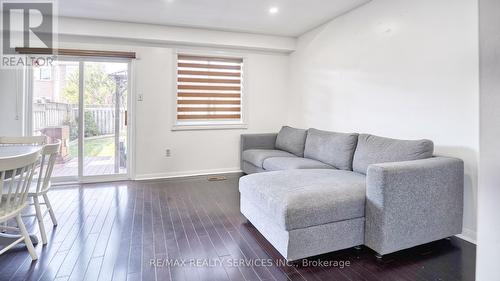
point(92, 166)
point(98, 158)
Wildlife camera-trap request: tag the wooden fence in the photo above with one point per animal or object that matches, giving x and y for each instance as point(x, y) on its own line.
point(53, 114)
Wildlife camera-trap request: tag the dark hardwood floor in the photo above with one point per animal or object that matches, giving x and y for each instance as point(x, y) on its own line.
point(117, 231)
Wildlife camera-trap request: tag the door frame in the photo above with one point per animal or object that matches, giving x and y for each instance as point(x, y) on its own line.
point(80, 178)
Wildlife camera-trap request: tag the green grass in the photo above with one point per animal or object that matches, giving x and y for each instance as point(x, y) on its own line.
point(104, 146)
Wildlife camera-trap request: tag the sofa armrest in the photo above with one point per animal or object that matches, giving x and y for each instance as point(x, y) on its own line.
point(413, 202)
point(256, 141)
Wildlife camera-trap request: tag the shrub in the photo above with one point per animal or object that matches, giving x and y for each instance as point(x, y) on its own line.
point(90, 125)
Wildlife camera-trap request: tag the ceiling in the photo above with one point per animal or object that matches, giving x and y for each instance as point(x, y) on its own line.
point(293, 17)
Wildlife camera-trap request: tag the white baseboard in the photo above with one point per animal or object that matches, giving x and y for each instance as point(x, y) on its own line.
point(185, 174)
point(468, 235)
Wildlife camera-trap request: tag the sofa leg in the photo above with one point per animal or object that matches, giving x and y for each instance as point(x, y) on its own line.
point(448, 238)
point(358, 248)
point(379, 257)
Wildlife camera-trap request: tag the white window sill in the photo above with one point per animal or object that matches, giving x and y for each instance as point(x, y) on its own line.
point(196, 127)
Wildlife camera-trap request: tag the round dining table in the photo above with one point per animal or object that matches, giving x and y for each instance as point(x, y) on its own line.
point(7, 151)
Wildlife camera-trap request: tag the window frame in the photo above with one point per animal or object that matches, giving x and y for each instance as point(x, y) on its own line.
point(179, 125)
point(38, 74)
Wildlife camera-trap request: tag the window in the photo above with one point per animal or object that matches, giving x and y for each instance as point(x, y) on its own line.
point(43, 73)
point(209, 90)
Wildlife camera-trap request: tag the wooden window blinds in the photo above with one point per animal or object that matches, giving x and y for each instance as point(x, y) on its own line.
point(209, 88)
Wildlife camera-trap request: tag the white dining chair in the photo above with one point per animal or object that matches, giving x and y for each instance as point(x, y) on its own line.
point(20, 140)
point(16, 174)
point(41, 187)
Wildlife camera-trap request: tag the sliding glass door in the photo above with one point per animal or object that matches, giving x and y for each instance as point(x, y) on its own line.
point(83, 103)
point(55, 111)
point(104, 122)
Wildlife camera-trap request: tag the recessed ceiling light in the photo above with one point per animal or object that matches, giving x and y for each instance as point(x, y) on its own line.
point(273, 10)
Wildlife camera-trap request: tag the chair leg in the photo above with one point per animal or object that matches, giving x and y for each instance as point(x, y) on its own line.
point(27, 239)
point(39, 216)
point(51, 211)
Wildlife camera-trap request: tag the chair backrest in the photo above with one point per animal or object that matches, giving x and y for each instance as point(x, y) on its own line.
point(49, 156)
point(16, 174)
point(34, 140)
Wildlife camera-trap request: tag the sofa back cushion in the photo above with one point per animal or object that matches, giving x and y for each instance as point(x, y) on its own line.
point(373, 149)
point(291, 140)
point(336, 149)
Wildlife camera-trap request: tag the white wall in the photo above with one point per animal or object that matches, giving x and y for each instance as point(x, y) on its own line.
point(193, 152)
point(10, 103)
point(201, 151)
point(488, 253)
point(205, 150)
point(396, 68)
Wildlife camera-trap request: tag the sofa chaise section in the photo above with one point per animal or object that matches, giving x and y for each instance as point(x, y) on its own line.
point(306, 212)
point(303, 198)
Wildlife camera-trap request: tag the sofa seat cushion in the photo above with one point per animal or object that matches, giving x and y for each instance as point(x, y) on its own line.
point(290, 163)
point(374, 150)
point(302, 198)
point(257, 156)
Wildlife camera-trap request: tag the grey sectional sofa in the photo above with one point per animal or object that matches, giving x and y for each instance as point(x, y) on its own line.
point(325, 191)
